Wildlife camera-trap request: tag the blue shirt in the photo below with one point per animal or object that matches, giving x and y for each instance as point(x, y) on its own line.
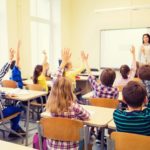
point(16, 76)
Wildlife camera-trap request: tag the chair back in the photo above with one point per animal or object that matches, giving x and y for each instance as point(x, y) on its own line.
point(61, 129)
point(104, 102)
point(34, 87)
point(9, 83)
point(129, 141)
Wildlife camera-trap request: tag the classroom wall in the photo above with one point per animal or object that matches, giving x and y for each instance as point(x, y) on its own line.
point(86, 24)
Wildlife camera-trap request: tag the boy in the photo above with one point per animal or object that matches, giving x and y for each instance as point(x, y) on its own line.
point(136, 119)
point(10, 110)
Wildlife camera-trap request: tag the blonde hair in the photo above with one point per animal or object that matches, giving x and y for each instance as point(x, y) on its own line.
point(61, 96)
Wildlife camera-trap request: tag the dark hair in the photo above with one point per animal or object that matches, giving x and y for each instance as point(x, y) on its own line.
point(37, 72)
point(144, 72)
point(134, 94)
point(107, 77)
point(124, 70)
point(146, 34)
point(12, 64)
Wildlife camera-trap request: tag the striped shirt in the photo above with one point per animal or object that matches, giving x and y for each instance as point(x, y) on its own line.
point(137, 122)
point(75, 112)
point(103, 91)
point(4, 70)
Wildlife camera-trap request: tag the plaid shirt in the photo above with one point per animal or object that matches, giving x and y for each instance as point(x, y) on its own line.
point(102, 90)
point(75, 112)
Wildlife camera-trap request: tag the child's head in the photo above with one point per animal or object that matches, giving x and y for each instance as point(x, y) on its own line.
point(107, 77)
point(61, 96)
point(144, 72)
point(37, 72)
point(146, 38)
point(134, 94)
point(124, 70)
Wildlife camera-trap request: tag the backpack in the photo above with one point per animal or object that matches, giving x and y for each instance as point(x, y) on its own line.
point(36, 142)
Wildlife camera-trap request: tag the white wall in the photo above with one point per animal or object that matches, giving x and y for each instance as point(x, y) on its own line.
point(86, 25)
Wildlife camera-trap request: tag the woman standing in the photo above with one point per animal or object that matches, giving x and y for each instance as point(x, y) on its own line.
point(145, 49)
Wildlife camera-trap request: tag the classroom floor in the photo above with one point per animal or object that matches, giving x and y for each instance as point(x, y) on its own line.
point(31, 134)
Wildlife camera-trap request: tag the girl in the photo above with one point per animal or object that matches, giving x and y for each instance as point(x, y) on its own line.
point(145, 49)
point(39, 78)
point(61, 103)
point(127, 74)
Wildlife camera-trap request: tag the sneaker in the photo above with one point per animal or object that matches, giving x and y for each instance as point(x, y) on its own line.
point(21, 131)
point(12, 135)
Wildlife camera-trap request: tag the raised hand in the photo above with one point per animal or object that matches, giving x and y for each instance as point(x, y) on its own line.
point(133, 50)
point(66, 55)
point(84, 56)
point(11, 54)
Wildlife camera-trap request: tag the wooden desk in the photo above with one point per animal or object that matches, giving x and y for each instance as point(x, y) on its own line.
point(24, 96)
point(111, 125)
point(11, 146)
point(29, 81)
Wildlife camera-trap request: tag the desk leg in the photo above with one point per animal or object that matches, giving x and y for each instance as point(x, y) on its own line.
point(102, 138)
point(86, 137)
point(27, 123)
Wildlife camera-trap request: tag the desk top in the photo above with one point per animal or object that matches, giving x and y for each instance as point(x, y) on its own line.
point(29, 81)
point(8, 145)
point(21, 94)
point(111, 125)
point(90, 95)
point(100, 116)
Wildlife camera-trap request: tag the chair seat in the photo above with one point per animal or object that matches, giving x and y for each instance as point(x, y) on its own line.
point(9, 117)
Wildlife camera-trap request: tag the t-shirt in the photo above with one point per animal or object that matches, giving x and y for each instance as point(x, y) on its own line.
point(137, 122)
point(16, 76)
point(42, 82)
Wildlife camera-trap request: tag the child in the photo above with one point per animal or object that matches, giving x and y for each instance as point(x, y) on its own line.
point(127, 74)
point(15, 67)
point(61, 103)
point(136, 119)
point(144, 75)
point(39, 78)
point(10, 110)
point(107, 77)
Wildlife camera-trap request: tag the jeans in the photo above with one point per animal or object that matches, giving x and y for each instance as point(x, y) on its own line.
point(10, 110)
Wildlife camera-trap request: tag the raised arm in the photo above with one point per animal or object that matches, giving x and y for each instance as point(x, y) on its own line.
point(5, 68)
point(133, 66)
point(18, 54)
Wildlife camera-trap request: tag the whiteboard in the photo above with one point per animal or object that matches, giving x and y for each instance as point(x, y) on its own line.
point(115, 46)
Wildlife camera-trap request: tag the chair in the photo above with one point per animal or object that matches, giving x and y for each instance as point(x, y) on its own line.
point(4, 120)
point(9, 83)
point(104, 102)
point(36, 87)
point(61, 129)
point(129, 141)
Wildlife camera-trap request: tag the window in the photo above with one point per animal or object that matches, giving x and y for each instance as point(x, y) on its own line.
point(45, 31)
point(3, 33)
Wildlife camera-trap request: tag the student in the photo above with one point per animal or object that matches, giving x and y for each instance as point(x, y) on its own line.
point(61, 103)
point(10, 110)
point(103, 89)
point(144, 54)
point(39, 78)
point(15, 67)
point(144, 75)
point(127, 74)
point(136, 119)
point(70, 73)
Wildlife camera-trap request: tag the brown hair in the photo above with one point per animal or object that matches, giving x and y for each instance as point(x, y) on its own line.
point(146, 34)
point(134, 94)
point(124, 70)
point(37, 72)
point(144, 72)
point(61, 96)
point(107, 77)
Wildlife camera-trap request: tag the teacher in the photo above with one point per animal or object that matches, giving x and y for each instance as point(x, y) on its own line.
point(145, 50)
